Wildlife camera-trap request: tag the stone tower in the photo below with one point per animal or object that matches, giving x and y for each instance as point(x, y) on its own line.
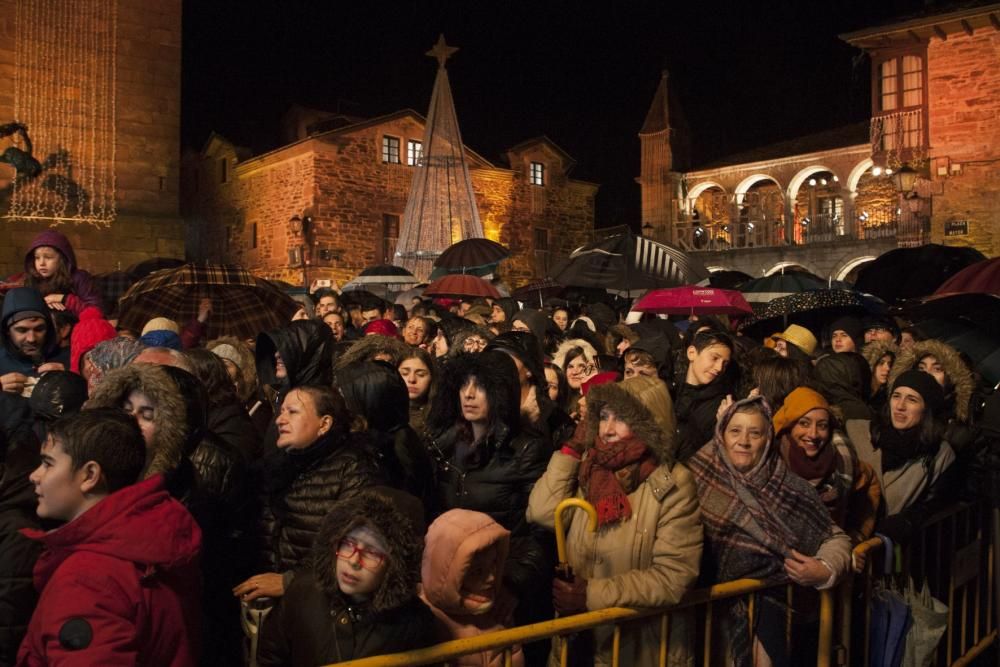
point(441, 208)
point(663, 140)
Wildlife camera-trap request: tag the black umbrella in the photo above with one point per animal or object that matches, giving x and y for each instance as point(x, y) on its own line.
point(907, 273)
point(982, 310)
point(813, 310)
point(144, 268)
point(625, 262)
point(982, 346)
point(726, 279)
point(471, 252)
point(538, 291)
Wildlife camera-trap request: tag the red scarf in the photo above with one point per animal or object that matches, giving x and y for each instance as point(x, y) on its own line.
point(813, 469)
point(604, 469)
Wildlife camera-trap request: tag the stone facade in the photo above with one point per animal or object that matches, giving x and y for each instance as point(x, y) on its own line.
point(355, 201)
point(147, 143)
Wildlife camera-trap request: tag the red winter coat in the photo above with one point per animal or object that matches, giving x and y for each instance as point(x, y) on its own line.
point(125, 573)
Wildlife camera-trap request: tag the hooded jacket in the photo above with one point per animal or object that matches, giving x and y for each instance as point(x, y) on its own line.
point(83, 290)
point(960, 397)
point(845, 379)
point(649, 560)
point(374, 390)
point(365, 349)
point(18, 300)
point(452, 541)
point(315, 624)
point(306, 348)
point(119, 584)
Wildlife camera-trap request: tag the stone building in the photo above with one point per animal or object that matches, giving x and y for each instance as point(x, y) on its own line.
point(831, 202)
point(349, 179)
point(139, 148)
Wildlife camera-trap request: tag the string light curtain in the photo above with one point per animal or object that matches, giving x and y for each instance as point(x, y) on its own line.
point(441, 208)
point(64, 92)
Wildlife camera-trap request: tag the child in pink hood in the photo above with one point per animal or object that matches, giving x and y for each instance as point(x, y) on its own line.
point(463, 561)
point(50, 267)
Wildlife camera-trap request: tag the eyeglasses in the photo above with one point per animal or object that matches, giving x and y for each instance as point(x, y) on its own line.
point(474, 343)
point(370, 559)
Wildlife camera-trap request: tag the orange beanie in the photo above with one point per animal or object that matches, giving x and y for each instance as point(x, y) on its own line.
point(797, 403)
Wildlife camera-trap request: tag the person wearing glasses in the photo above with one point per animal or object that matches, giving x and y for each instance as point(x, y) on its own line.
point(357, 595)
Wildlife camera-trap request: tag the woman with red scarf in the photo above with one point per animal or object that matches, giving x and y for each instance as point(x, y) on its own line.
point(647, 547)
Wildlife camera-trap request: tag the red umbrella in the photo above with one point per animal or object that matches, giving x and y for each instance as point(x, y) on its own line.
point(460, 285)
point(694, 300)
point(981, 277)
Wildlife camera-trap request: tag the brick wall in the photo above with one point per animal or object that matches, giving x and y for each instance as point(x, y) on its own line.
point(147, 143)
point(341, 179)
point(964, 123)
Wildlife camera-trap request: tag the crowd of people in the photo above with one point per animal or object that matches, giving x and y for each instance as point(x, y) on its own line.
point(378, 477)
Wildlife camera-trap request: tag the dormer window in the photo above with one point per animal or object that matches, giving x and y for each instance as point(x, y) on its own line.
point(537, 173)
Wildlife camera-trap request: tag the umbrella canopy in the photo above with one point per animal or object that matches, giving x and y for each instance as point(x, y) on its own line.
point(112, 286)
point(768, 288)
point(483, 270)
point(907, 273)
point(693, 300)
point(629, 263)
point(146, 267)
point(471, 252)
point(726, 279)
point(538, 291)
point(982, 310)
point(242, 305)
point(385, 274)
point(458, 285)
point(406, 298)
point(981, 277)
point(813, 309)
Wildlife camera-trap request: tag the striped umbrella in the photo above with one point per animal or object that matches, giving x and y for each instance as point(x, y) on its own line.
point(242, 304)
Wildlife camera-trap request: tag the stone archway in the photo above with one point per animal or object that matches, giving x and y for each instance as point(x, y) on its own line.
point(851, 266)
point(788, 266)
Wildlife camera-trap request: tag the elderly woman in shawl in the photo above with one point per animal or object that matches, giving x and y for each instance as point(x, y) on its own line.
point(762, 521)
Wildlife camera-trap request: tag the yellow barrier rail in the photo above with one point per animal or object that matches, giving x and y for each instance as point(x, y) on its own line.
point(953, 553)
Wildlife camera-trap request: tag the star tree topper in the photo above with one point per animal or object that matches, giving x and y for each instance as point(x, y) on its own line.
point(441, 51)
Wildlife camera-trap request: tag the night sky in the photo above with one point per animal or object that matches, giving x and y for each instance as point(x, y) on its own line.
point(583, 73)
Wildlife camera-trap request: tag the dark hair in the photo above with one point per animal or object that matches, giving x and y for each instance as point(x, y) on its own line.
point(398, 312)
point(328, 402)
point(563, 390)
point(324, 292)
point(777, 376)
point(706, 339)
point(370, 303)
point(639, 358)
point(59, 282)
point(914, 333)
point(929, 436)
point(428, 360)
point(211, 371)
point(62, 318)
point(108, 436)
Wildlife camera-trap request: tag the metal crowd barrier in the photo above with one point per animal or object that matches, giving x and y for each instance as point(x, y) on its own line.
point(954, 553)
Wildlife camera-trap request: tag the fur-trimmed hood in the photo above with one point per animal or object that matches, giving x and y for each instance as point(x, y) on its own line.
point(645, 405)
point(496, 373)
point(876, 349)
point(171, 414)
point(559, 358)
point(956, 370)
point(366, 347)
point(377, 512)
point(452, 541)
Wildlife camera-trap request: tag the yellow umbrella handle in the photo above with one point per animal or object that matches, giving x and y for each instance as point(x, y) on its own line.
point(560, 533)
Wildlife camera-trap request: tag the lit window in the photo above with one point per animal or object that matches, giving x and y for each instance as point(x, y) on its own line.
point(390, 149)
point(414, 151)
point(537, 173)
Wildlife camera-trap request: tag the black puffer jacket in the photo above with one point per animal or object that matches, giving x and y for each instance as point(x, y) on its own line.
point(375, 391)
point(696, 408)
point(18, 457)
point(57, 394)
point(496, 475)
point(302, 486)
point(315, 624)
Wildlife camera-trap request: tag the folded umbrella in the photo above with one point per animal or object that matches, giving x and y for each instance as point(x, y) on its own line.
point(693, 300)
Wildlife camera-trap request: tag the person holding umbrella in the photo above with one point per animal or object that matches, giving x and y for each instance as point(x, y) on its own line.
point(647, 547)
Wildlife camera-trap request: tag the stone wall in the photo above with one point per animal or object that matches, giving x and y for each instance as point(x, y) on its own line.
point(964, 122)
point(340, 179)
point(147, 161)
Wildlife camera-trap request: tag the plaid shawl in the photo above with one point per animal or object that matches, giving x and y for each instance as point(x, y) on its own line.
point(754, 519)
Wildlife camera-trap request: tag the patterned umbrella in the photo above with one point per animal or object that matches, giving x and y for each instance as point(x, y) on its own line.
point(538, 291)
point(385, 274)
point(762, 290)
point(693, 300)
point(458, 285)
point(471, 252)
point(242, 304)
point(112, 286)
point(813, 309)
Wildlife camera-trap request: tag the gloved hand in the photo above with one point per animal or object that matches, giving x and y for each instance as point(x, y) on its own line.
point(569, 597)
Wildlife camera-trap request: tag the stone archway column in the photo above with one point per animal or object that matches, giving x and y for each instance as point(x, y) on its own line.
point(789, 219)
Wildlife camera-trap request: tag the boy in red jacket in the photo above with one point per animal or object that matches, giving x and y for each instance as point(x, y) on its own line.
point(119, 582)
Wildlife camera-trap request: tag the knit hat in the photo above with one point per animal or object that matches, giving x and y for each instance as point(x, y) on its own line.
point(925, 385)
point(878, 323)
point(800, 337)
point(89, 331)
point(23, 315)
point(852, 327)
point(229, 353)
point(601, 378)
point(800, 401)
point(161, 324)
point(382, 328)
point(161, 338)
